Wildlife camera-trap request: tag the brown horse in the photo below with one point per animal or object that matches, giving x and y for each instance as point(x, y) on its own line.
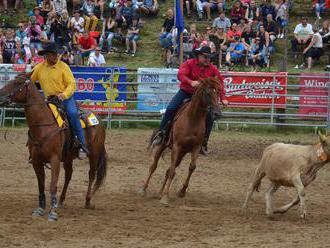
point(186, 136)
point(47, 144)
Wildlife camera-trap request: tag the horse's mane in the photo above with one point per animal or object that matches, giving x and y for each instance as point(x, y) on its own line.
point(210, 82)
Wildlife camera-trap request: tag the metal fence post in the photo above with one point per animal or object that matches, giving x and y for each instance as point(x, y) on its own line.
point(328, 110)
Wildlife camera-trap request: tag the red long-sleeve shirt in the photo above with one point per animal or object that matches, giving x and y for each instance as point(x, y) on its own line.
point(191, 71)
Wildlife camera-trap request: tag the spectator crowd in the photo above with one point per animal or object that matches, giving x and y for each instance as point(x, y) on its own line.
point(244, 32)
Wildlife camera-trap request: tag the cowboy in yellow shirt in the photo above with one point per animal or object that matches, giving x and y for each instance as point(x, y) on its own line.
point(56, 79)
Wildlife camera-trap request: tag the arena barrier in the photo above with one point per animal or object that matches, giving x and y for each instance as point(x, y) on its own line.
point(123, 96)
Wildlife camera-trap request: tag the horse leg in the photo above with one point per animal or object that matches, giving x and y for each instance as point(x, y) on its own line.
point(269, 204)
point(176, 158)
point(55, 172)
point(164, 183)
point(192, 167)
point(40, 173)
point(286, 207)
point(68, 176)
point(158, 150)
point(93, 162)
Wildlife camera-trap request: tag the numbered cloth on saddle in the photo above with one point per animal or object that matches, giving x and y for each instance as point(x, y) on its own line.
point(90, 117)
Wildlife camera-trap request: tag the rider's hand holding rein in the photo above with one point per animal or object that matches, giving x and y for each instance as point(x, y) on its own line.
point(195, 84)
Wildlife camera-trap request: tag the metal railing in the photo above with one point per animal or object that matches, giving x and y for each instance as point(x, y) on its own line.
point(273, 113)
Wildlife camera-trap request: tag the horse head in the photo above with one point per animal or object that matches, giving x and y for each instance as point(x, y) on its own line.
point(208, 91)
point(16, 90)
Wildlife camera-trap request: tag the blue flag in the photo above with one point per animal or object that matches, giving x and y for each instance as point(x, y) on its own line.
point(179, 22)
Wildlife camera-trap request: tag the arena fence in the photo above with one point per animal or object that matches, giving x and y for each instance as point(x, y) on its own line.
point(140, 96)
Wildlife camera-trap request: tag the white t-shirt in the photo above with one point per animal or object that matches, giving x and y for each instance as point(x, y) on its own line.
point(96, 60)
point(318, 40)
point(79, 25)
point(303, 32)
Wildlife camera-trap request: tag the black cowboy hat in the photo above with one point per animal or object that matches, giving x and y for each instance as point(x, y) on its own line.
point(48, 48)
point(203, 50)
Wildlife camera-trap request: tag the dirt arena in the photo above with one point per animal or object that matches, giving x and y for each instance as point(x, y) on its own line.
point(209, 216)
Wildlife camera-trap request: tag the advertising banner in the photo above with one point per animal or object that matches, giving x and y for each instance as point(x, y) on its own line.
point(314, 94)
point(94, 90)
point(156, 87)
point(250, 89)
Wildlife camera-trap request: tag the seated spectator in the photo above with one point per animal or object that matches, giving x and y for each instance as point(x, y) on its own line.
point(222, 41)
point(266, 8)
point(241, 25)
point(86, 44)
point(39, 18)
point(66, 56)
point(5, 6)
point(149, 7)
point(271, 28)
point(237, 12)
point(36, 59)
point(319, 6)
point(96, 58)
point(132, 37)
point(245, 3)
point(165, 37)
point(59, 6)
point(248, 36)
point(76, 26)
point(202, 7)
point(50, 20)
point(108, 33)
point(314, 49)
point(9, 47)
point(281, 18)
point(26, 48)
point(218, 5)
point(60, 32)
point(21, 58)
point(257, 54)
point(252, 12)
point(325, 32)
point(235, 51)
point(233, 32)
point(303, 33)
point(33, 31)
point(44, 37)
point(190, 5)
point(91, 20)
point(125, 15)
point(20, 33)
point(264, 38)
point(47, 7)
point(222, 21)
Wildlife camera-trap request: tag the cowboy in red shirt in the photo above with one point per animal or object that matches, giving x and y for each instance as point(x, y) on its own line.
point(189, 73)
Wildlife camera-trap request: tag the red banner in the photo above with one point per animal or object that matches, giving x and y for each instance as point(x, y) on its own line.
point(257, 90)
point(314, 94)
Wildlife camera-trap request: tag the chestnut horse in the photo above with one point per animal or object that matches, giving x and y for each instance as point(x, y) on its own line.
point(186, 136)
point(47, 144)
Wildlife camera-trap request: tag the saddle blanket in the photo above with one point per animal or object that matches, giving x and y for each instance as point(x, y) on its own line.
point(90, 117)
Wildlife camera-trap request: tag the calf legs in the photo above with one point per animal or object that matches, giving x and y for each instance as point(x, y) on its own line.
point(301, 193)
point(269, 194)
point(286, 207)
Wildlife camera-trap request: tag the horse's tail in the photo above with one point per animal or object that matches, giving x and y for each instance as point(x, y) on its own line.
point(151, 141)
point(101, 170)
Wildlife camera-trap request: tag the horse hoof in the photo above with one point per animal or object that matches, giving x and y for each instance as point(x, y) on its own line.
point(52, 216)
point(270, 217)
point(142, 191)
point(181, 193)
point(164, 201)
point(38, 212)
point(90, 206)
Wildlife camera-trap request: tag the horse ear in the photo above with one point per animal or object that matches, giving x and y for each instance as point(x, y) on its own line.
point(322, 137)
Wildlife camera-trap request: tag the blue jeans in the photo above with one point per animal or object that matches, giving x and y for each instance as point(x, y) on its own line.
point(174, 106)
point(73, 116)
point(166, 40)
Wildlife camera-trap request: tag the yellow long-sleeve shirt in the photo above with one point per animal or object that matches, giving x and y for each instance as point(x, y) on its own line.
point(55, 79)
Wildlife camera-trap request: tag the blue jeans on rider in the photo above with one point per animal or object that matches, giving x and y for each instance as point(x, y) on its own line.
point(174, 106)
point(73, 116)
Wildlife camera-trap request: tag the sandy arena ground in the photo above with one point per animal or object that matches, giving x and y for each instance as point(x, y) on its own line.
point(209, 216)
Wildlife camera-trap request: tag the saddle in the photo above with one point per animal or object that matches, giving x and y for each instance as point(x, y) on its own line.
point(87, 118)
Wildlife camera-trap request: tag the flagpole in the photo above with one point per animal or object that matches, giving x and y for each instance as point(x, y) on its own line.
point(181, 36)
